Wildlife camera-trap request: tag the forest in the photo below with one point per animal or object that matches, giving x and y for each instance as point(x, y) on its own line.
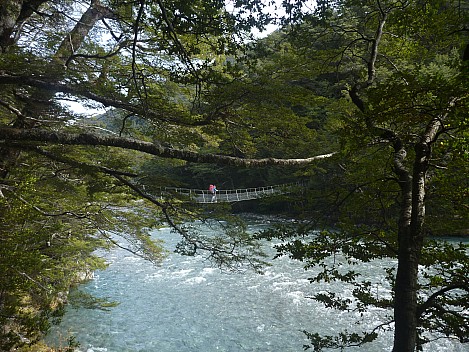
point(104, 103)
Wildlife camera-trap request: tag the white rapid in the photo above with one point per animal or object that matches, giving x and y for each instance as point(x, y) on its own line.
point(186, 305)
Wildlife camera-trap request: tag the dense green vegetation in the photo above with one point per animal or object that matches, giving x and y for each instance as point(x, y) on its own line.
point(367, 101)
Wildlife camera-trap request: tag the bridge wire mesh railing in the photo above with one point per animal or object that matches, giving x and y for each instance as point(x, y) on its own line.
point(229, 195)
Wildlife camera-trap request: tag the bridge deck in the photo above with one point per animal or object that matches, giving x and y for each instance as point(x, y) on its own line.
point(230, 195)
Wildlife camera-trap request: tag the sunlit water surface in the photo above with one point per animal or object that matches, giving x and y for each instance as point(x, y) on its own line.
point(187, 305)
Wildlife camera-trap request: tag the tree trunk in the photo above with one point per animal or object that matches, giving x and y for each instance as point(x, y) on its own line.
point(405, 290)
point(405, 300)
point(410, 237)
point(11, 17)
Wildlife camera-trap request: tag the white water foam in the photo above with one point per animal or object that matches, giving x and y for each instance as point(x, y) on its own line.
point(185, 305)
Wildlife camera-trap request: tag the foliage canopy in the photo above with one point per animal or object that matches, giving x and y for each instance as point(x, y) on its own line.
point(190, 94)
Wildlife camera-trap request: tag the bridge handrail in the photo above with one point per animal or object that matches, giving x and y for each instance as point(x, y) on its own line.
point(229, 195)
point(190, 191)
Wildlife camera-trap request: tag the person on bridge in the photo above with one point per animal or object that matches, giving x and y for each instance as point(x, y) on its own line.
point(213, 190)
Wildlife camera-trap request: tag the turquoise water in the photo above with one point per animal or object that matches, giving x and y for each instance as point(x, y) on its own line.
point(186, 305)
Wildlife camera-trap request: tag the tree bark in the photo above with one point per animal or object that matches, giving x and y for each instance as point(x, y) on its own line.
point(11, 16)
point(87, 21)
point(410, 237)
point(405, 300)
point(16, 138)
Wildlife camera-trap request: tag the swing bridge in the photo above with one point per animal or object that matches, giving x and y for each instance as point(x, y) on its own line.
point(230, 195)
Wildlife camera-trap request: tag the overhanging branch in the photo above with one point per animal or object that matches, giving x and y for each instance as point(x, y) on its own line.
point(114, 102)
point(12, 135)
point(431, 300)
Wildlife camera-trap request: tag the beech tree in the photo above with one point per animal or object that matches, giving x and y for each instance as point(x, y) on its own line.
point(178, 81)
point(403, 74)
point(68, 184)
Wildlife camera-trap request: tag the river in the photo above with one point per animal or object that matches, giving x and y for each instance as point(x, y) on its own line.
point(187, 305)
